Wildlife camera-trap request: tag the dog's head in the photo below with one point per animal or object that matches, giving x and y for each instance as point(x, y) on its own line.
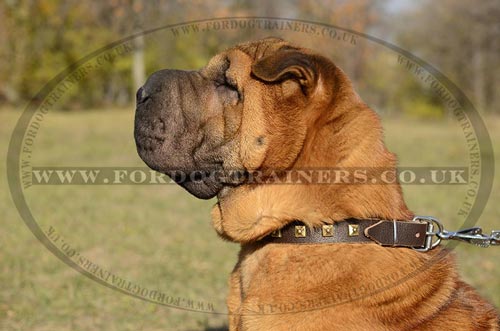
point(264, 107)
point(249, 108)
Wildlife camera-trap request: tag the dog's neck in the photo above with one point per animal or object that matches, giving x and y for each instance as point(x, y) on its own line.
point(249, 212)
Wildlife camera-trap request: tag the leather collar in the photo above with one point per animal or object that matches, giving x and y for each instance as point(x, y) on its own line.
point(391, 233)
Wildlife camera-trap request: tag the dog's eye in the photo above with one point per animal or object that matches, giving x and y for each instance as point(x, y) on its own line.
point(224, 81)
point(229, 88)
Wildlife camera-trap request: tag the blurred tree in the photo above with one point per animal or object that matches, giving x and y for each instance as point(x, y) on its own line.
point(461, 38)
point(42, 37)
point(357, 15)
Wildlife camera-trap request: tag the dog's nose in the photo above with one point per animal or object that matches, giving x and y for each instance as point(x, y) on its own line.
point(141, 95)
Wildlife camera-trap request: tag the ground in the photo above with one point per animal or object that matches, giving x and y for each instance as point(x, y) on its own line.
point(160, 237)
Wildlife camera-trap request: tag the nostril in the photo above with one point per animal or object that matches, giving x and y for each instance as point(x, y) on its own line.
point(141, 95)
point(138, 95)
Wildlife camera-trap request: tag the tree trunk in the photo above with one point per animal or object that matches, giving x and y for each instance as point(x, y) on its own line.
point(478, 78)
point(138, 70)
point(138, 66)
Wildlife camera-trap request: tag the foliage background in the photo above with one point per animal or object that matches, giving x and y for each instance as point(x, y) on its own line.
point(39, 38)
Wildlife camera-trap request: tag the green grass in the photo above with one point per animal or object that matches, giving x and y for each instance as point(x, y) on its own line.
point(160, 237)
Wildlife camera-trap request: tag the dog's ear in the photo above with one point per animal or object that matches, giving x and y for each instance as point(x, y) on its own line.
point(288, 64)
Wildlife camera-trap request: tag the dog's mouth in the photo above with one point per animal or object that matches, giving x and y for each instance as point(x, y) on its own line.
point(150, 139)
point(150, 128)
point(200, 181)
point(148, 143)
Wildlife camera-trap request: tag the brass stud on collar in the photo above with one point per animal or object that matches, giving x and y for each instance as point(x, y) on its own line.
point(300, 231)
point(327, 230)
point(276, 234)
point(353, 230)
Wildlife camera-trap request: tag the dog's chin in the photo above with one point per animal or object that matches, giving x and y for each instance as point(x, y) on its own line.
point(197, 182)
point(204, 189)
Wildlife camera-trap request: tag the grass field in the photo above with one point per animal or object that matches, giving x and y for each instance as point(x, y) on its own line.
point(160, 237)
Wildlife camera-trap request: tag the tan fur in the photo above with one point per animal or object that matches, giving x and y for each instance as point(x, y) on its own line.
point(327, 286)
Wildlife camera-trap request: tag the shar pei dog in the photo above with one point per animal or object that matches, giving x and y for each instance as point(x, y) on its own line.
point(318, 251)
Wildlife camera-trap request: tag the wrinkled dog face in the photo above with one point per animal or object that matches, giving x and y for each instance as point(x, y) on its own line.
point(244, 110)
